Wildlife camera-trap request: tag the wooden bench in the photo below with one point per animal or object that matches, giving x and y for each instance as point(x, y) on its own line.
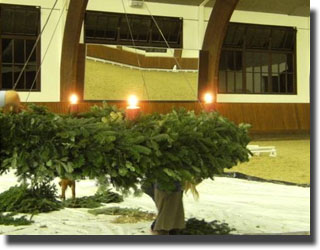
point(257, 150)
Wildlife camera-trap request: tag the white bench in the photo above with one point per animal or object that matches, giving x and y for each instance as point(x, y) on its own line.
point(257, 150)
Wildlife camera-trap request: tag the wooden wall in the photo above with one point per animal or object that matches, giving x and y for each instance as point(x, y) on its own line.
point(125, 57)
point(265, 118)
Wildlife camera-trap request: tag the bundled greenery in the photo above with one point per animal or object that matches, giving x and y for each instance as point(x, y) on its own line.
point(30, 199)
point(9, 219)
point(127, 215)
point(93, 201)
point(201, 227)
point(163, 148)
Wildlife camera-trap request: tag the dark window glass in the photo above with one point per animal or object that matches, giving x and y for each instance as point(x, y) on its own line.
point(18, 34)
point(258, 37)
point(234, 36)
point(112, 28)
point(7, 50)
point(258, 59)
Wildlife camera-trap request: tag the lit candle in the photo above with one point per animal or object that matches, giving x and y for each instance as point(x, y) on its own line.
point(132, 111)
point(73, 107)
point(208, 102)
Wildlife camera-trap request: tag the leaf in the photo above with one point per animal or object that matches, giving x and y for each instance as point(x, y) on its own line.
point(49, 163)
point(169, 172)
point(130, 166)
point(141, 149)
point(123, 171)
point(68, 167)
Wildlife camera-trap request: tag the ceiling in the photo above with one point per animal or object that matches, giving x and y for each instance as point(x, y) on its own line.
point(287, 7)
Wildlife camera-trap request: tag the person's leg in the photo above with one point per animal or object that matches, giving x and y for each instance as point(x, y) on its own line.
point(170, 211)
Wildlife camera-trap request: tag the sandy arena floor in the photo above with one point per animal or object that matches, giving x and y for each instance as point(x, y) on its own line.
point(248, 206)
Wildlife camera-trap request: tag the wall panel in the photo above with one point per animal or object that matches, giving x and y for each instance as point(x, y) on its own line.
point(265, 118)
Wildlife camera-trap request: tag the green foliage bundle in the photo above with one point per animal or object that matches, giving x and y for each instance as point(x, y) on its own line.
point(94, 201)
point(201, 227)
point(26, 199)
point(178, 146)
point(9, 219)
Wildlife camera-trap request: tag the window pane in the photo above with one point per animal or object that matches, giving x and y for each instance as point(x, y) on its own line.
point(257, 37)
point(249, 82)
point(290, 83)
point(140, 28)
point(223, 60)
point(6, 76)
point(30, 76)
point(257, 83)
point(17, 70)
point(112, 27)
point(275, 83)
point(234, 36)
point(90, 23)
point(222, 82)
point(7, 46)
point(239, 81)
point(101, 26)
point(32, 24)
point(19, 51)
point(7, 20)
point(230, 77)
point(19, 21)
point(29, 47)
point(283, 39)
point(249, 59)
point(258, 62)
point(279, 60)
point(124, 30)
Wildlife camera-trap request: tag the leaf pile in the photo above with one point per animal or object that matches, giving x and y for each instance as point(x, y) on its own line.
point(127, 215)
point(9, 219)
point(201, 227)
point(25, 199)
point(93, 201)
point(164, 148)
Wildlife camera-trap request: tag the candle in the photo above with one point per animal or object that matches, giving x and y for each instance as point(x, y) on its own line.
point(73, 106)
point(209, 105)
point(132, 111)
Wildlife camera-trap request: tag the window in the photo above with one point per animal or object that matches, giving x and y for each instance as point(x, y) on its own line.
point(19, 28)
point(258, 59)
point(112, 28)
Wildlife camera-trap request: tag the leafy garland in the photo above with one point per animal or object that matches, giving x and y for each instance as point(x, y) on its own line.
point(163, 148)
point(9, 219)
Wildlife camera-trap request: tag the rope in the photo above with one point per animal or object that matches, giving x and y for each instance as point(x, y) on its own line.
point(44, 56)
point(35, 45)
point(134, 45)
point(176, 60)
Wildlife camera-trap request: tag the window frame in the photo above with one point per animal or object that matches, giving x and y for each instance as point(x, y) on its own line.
point(128, 42)
point(24, 38)
point(270, 51)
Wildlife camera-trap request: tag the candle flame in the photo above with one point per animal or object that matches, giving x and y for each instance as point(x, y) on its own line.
point(73, 99)
point(208, 98)
point(132, 101)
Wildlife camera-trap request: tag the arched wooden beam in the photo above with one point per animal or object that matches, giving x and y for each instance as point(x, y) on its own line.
point(70, 48)
point(209, 56)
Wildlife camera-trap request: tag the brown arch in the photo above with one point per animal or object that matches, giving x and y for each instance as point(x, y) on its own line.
point(70, 49)
point(209, 56)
